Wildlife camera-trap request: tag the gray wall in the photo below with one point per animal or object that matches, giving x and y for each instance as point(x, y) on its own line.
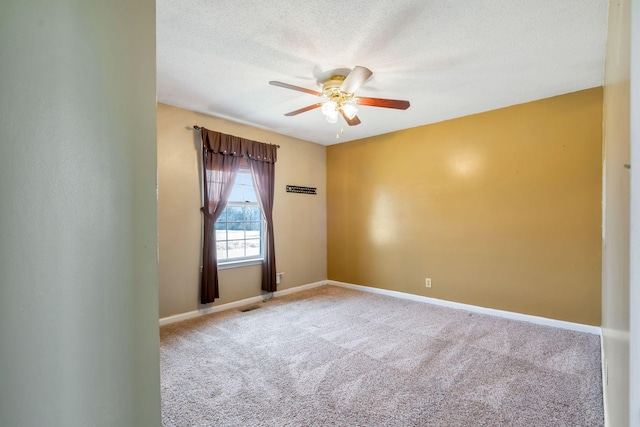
point(616, 220)
point(634, 378)
point(78, 245)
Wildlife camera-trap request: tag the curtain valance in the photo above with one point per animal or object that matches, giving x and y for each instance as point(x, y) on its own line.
point(235, 146)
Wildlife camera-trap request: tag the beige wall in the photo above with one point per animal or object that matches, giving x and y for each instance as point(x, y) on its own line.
point(615, 278)
point(300, 219)
point(500, 209)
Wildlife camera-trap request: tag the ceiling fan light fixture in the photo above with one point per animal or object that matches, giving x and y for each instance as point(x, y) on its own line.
point(329, 108)
point(349, 110)
point(332, 118)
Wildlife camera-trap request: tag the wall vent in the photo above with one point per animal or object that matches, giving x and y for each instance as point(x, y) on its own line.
point(250, 308)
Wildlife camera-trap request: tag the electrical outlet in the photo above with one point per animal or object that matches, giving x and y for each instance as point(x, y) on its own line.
point(427, 282)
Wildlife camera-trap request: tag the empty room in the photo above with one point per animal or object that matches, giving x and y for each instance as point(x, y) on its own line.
point(438, 251)
point(365, 213)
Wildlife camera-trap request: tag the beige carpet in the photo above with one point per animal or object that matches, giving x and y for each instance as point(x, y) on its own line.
point(331, 356)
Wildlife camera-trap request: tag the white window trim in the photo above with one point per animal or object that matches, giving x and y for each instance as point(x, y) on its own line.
point(224, 265)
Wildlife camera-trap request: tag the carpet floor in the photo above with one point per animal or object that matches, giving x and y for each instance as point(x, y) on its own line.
point(331, 356)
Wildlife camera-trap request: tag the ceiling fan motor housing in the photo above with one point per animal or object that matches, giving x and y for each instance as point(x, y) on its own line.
point(331, 90)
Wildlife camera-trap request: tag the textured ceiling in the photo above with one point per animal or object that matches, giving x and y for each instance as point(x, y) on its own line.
point(448, 58)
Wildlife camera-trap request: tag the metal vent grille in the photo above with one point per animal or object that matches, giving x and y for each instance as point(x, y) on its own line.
point(250, 308)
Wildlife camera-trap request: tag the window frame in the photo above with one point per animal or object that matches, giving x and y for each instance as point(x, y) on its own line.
point(235, 262)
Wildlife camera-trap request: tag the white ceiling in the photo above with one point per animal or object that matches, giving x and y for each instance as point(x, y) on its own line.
point(449, 58)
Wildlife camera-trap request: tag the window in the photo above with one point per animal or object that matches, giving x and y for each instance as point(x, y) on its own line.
point(239, 229)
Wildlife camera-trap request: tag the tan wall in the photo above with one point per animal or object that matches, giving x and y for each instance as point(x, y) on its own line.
point(500, 209)
point(615, 278)
point(299, 219)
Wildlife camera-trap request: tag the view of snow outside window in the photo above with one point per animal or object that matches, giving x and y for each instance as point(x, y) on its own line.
point(239, 228)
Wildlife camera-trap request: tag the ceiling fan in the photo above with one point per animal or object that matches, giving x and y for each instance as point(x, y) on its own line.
point(339, 97)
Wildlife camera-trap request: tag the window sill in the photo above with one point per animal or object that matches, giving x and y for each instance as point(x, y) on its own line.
point(241, 263)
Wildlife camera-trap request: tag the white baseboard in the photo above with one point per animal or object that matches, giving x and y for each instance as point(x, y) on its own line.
point(299, 288)
point(236, 304)
point(579, 327)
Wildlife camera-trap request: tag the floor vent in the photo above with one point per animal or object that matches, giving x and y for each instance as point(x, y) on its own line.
point(250, 308)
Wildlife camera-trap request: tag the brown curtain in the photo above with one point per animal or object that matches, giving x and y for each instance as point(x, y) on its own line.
point(222, 156)
point(262, 158)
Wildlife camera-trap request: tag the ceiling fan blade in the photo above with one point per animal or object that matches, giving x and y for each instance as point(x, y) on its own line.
point(354, 80)
point(302, 110)
point(298, 88)
point(352, 122)
point(385, 103)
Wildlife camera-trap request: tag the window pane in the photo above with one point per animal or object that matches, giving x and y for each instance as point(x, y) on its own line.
point(221, 235)
point(253, 213)
point(253, 230)
point(236, 249)
point(234, 226)
point(255, 226)
point(250, 194)
point(223, 215)
point(236, 193)
point(253, 247)
point(233, 235)
point(244, 178)
point(239, 227)
point(235, 213)
point(221, 250)
point(220, 225)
